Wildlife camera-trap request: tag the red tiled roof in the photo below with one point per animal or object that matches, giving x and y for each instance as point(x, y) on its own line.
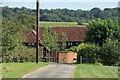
point(73, 34)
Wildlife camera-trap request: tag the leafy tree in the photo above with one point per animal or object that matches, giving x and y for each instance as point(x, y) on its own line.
point(110, 52)
point(63, 42)
point(11, 37)
point(53, 38)
point(26, 20)
point(50, 17)
point(97, 13)
point(99, 30)
point(12, 47)
point(50, 39)
point(23, 54)
point(62, 15)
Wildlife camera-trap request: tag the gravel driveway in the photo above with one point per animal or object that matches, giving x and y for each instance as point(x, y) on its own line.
point(53, 71)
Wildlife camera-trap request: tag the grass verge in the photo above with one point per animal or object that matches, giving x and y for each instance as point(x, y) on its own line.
point(17, 70)
point(95, 71)
point(0, 70)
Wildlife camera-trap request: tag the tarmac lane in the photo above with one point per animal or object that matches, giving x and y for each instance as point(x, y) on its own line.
point(53, 71)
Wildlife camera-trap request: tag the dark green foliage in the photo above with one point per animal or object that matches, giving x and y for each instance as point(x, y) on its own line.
point(12, 38)
point(11, 13)
point(106, 33)
point(63, 15)
point(99, 30)
point(110, 52)
point(12, 48)
point(50, 17)
point(97, 13)
point(74, 49)
point(88, 51)
point(50, 40)
point(11, 30)
point(26, 20)
point(62, 44)
point(53, 40)
point(23, 15)
point(24, 54)
point(20, 54)
point(117, 33)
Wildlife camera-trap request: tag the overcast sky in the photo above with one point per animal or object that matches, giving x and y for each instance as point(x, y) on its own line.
point(70, 4)
point(60, 0)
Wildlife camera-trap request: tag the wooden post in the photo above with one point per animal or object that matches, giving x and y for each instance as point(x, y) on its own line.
point(49, 56)
point(80, 59)
point(37, 30)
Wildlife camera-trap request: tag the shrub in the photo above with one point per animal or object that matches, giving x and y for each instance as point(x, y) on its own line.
point(89, 52)
point(110, 52)
point(99, 30)
point(24, 54)
point(74, 49)
point(20, 54)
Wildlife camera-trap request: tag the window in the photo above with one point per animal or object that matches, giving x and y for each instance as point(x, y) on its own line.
point(70, 44)
point(29, 44)
point(76, 43)
point(32, 44)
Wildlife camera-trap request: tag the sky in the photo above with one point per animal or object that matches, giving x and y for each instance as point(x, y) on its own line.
point(70, 4)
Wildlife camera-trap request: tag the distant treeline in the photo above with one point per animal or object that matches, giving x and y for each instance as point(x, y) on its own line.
point(63, 15)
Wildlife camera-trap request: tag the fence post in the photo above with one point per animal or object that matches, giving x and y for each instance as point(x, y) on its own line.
point(80, 59)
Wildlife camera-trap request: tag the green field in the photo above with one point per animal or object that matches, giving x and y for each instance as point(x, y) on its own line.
point(17, 70)
point(95, 71)
point(59, 24)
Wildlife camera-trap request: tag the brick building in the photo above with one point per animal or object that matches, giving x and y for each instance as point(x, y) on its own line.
point(74, 36)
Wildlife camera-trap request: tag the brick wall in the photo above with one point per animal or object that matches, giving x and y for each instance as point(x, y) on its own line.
point(67, 57)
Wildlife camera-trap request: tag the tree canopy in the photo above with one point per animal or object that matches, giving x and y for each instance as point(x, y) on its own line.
point(11, 36)
point(99, 30)
point(63, 15)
